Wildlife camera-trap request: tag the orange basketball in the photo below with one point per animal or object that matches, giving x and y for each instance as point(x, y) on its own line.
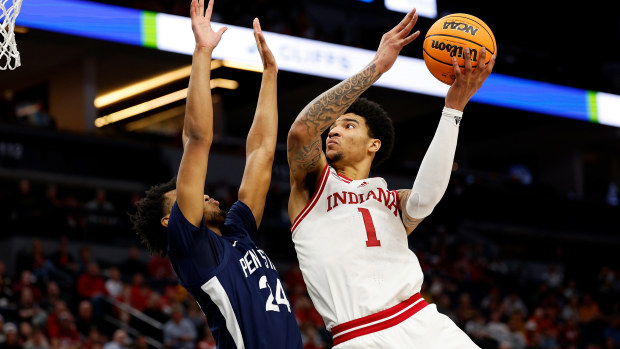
point(448, 37)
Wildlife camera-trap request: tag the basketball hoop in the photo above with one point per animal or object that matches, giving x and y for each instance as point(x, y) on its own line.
point(9, 56)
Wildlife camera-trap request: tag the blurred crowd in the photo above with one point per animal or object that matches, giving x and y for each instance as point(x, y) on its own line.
point(54, 298)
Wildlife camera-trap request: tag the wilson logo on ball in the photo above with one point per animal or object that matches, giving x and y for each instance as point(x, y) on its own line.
point(454, 50)
point(447, 39)
point(464, 27)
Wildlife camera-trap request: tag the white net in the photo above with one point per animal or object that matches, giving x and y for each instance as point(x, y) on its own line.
point(9, 56)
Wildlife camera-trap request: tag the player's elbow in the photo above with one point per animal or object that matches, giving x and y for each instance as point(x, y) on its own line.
point(421, 206)
point(297, 134)
point(263, 157)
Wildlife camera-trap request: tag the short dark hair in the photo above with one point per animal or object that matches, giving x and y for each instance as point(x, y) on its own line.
point(379, 126)
point(147, 218)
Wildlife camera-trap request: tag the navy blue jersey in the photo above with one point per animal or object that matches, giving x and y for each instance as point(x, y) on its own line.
point(233, 281)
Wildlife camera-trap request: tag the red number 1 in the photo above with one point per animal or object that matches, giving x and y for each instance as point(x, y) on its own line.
point(370, 228)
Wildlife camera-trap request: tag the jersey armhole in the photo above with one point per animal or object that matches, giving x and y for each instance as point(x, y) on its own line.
point(313, 199)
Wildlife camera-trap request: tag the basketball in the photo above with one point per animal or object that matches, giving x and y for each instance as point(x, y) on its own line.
point(448, 37)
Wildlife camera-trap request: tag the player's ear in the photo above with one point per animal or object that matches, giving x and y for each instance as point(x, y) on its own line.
point(164, 220)
point(375, 145)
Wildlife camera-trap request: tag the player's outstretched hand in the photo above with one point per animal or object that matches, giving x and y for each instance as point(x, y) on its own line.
point(201, 25)
point(393, 42)
point(269, 62)
point(469, 82)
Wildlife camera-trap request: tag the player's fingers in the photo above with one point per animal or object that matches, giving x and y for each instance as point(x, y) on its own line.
point(222, 30)
point(410, 38)
point(194, 8)
point(209, 9)
point(456, 68)
point(256, 28)
point(407, 29)
point(490, 65)
point(482, 65)
point(467, 55)
point(400, 26)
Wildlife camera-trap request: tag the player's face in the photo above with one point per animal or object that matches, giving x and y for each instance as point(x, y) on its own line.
point(214, 215)
point(347, 140)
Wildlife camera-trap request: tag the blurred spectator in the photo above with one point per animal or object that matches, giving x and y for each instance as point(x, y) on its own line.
point(569, 332)
point(74, 215)
point(306, 312)
point(588, 310)
point(6, 295)
point(491, 301)
point(140, 343)
point(84, 259)
point(196, 316)
point(570, 309)
point(140, 292)
point(179, 332)
point(91, 284)
point(100, 212)
point(94, 339)
point(25, 208)
point(444, 306)
point(62, 258)
point(612, 332)
point(2, 336)
point(5, 279)
point(549, 338)
point(85, 320)
point(160, 269)
point(67, 336)
point(553, 277)
point(465, 309)
point(513, 304)
point(310, 336)
point(27, 281)
point(160, 273)
point(52, 324)
point(52, 295)
point(294, 281)
point(497, 329)
point(570, 289)
point(114, 285)
point(25, 331)
point(52, 210)
point(28, 310)
point(11, 339)
point(37, 341)
point(133, 264)
point(154, 308)
point(119, 340)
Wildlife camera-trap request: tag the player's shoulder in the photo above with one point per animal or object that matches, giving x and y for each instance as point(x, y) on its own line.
point(240, 221)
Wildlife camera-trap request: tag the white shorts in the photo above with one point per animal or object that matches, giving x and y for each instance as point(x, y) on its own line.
point(426, 329)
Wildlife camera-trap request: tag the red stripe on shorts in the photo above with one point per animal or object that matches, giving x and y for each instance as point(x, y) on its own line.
point(378, 321)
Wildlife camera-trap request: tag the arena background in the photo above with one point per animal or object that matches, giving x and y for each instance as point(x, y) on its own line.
point(521, 252)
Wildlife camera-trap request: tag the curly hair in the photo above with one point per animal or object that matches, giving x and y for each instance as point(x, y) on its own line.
point(147, 218)
point(379, 126)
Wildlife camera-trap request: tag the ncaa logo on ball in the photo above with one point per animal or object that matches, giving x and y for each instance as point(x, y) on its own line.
point(463, 27)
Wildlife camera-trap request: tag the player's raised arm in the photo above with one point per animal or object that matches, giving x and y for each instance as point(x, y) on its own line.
point(198, 123)
point(304, 149)
point(262, 137)
point(434, 173)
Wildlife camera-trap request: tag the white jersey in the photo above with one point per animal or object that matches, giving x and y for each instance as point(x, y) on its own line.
point(352, 249)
